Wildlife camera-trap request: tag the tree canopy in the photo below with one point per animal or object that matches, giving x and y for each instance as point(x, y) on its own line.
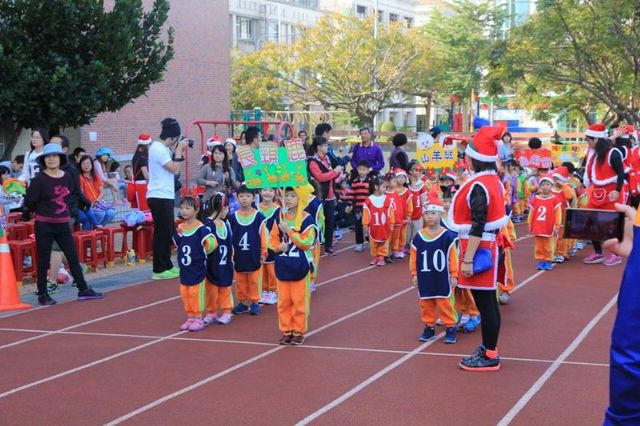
point(62, 62)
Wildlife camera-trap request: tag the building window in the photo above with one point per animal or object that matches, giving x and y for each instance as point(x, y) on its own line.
point(408, 22)
point(307, 3)
point(393, 17)
point(244, 28)
point(380, 16)
point(273, 32)
point(361, 12)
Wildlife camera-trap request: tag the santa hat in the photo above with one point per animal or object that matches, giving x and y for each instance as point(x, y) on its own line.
point(216, 140)
point(232, 141)
point(144, 139)
point(548, 177)
point(597, 130)
point(400, 172)
point(484, 146)
point(561, 173)
point(433, 203)
point(449, 175)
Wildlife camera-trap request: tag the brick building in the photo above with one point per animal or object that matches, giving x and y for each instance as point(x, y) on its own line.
point(196, 84)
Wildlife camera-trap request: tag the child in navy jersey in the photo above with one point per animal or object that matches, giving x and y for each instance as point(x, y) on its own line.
point(293, 236)
point(194, 242)
point(433, 264)
point(219, 263)
point(249, 252)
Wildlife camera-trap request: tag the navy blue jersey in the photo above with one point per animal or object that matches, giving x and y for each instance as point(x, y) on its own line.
point(294, 264)
point(314, 208)
point(247, 240)
point(220, 262)
point(270, 216)
point(432, 263)
point(192, 254)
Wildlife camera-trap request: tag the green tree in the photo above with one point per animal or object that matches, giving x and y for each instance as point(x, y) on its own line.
point(339, 65)
point(577, 52)
point(62, 62)
point(251, 86)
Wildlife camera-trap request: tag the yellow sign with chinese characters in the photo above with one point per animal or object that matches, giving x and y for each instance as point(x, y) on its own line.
point(436, 154)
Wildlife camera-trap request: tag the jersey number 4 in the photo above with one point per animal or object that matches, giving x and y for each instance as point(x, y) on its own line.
point(244, 242)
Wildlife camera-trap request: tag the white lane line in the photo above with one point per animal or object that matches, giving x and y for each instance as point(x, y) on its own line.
point(249, 361)
point(524, 238)
point(321, 347)
point(89, 365)
point(535, 388)
point(390, 367)
point(364, 384)
point(102, 318)
point(348, 274)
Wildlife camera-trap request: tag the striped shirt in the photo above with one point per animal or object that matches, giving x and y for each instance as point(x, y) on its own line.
point(359, 191)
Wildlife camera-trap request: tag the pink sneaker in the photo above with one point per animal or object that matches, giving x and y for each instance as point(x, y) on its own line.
point(612, 260)
point(380, 261)
point(374, 261)
point(594, 258)
point(210, 319)
point(185, 326)
point(196, 324)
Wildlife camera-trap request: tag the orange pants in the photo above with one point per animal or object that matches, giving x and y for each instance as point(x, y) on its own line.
point(446, 308)
point(248, 286)
point(379, 248)
point(465, 304)
point(563, 246)
point(269, 277)
point(506, 281)
point(293, 305)
point(544, 248)
point(398, 237)
point(218, 298)
point(193, 299)
point(520, 206)
point(316, 262)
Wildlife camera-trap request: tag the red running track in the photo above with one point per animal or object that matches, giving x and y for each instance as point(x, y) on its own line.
point(122, 360)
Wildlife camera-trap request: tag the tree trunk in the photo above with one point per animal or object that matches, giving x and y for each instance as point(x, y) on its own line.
point(427, 111)
point(10, 132)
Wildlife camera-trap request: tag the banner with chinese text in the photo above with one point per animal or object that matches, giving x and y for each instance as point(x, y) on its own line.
point(572, 152)
point(271, 166)
point(440, 154)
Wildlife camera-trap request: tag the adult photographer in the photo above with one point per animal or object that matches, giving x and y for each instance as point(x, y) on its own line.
point(624, 373)
point(161, 194)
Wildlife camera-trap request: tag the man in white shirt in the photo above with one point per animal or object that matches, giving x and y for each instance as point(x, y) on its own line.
point(161, 195)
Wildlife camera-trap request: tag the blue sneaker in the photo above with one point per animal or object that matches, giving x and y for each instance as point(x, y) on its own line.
point(254, 309)
point(450, 336)
point(240, 308)
point(471, 325)
point(429, 333)
point(548, 266)
point(542, 266)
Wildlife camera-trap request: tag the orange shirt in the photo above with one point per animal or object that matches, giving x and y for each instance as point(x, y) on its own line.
point(91, 187)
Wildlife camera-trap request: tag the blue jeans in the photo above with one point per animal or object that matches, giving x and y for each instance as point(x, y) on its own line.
point(93, 217)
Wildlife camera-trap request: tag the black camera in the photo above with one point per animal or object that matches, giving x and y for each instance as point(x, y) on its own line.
point(190, 142)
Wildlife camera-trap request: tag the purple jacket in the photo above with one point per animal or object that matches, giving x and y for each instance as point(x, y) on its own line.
point(372, 153)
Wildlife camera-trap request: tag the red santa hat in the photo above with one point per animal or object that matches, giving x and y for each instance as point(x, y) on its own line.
point(433, 204)
point(400, 172)
point(450, 174)
point(628, 130)
point(546, 177)
point(144, 139)
point(561, 173)
point(232, 141)
point(484, 146)
point(216, 140)
point(597, 130)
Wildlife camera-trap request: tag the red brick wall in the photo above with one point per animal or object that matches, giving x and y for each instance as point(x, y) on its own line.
point(196, 84)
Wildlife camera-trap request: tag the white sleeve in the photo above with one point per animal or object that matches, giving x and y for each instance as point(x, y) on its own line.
point(25, 176)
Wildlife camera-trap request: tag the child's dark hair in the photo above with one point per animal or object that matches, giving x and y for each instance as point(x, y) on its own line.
point(446, 193)
point(190, 201)
point(570, 166)
point(412, 164)
point(376, 182)
point(216, 203)
point(244, 190)
point(114, 166)
point(535, 143)
point(364, 163)
point(321, 128)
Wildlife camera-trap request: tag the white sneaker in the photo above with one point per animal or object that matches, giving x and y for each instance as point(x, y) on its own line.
point(337, 235)
point(313, 287)
point(225, 318)
point(264, 298)
point(439, 322)
point(504, 298)
point(398, 255)
point(359, 248)
point(272, 300)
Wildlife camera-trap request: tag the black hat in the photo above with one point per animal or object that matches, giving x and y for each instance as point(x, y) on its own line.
point(170, 128)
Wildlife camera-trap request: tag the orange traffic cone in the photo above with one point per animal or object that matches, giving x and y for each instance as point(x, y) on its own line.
point(9, 296)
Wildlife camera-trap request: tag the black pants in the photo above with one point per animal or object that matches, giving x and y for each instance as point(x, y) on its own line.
point(357, 219)
point(597, 246)
point(329, 208)
point(46, 234)
point(163, 227)
point(487, 304)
